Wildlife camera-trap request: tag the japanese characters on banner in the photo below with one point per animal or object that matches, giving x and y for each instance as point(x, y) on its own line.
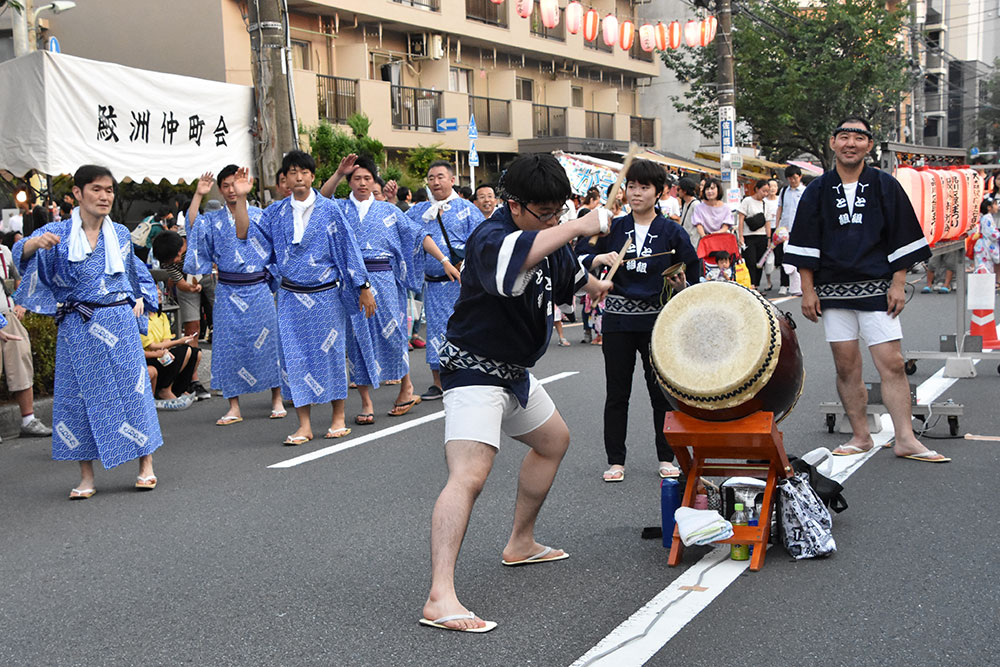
point(585, 175)
point(622, 32)
point(139, 124)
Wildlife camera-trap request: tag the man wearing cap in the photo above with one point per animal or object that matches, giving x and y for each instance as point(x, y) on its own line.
point(855, 235)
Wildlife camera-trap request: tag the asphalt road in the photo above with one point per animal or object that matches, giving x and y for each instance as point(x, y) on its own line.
point(230, 562)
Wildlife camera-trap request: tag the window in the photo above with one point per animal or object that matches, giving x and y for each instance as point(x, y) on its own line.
point(460, 80)
point(525, 89)
point(300, 54)
point(577, 94)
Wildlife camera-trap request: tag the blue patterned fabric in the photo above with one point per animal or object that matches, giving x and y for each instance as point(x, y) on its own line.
point(103, 404)
point(385, 234)
point(460, 218)
point(312, 327)
point(245, 323)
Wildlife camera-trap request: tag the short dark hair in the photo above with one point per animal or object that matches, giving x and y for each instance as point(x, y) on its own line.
point(441, 163)
point(365, 162)
point(401, 192)
point(481, 186)
point(718, 188)
point(761, 182)
point(380, 181)
point(278, 174)
point(166, 246)
point(719, 254)
point(536, 178)
point(647, 172)
point(227, 171)
point(464, 191)
point(984, 206)
point(299, 159)
point(593, 195)
point(792, 170)
point(419, 195)
point(65, 208)
point(89, 173)
point(856, 119)
point(688, 186)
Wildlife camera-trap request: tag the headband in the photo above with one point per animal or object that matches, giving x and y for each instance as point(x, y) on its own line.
point(856, 130)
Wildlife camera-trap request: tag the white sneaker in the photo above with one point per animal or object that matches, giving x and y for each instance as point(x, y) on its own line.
point(783, 291)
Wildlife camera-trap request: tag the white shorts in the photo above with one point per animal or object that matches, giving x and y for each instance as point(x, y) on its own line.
point(481, 412)
point(875, 327)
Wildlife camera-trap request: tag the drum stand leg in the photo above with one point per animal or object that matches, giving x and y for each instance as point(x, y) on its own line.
point(708, 448)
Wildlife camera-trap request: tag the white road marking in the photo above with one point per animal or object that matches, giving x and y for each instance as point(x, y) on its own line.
point(392, 430)
point(648, 630)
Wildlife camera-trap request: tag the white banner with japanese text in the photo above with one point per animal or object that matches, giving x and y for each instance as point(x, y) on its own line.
point(70, 111)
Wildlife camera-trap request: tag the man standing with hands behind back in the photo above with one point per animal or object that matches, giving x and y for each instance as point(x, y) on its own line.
point(855, 235)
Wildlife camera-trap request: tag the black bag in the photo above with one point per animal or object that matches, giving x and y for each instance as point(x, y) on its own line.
point(806, 527)
point(754, 222)
point(456, 257)
point(830, 491)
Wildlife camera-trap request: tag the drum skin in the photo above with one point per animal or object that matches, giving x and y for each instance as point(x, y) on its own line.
point(766, 376)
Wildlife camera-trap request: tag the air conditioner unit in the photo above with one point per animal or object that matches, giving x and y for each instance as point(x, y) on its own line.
point(417, 46)
point(436, 47)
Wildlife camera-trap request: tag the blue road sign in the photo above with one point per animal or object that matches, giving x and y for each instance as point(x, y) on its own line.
point(473, 130)
point(473, 154)
point(974, 152)
point(447, 124)
point(53, 45)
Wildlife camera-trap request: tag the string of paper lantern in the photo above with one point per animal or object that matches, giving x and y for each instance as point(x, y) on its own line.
point(661, 36)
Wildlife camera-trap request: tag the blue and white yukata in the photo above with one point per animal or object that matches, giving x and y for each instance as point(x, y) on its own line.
point(459, 217)
point(320, 280)
point(391, 247)
point(103, 405)
point(245, 342)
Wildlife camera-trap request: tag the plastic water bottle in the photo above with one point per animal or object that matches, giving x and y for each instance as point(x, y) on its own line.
point(739, 518)
point(753, 519)
point(669, 502)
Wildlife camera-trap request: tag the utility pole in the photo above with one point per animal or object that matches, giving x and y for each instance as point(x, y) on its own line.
point(276, 125)
point(727, 98)
point(917, 20)
point(19, 26)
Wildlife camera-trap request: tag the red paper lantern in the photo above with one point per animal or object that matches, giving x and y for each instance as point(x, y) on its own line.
point(591, 25)
point(550, 13)
point(692, 32)
point(574, 17)
point(523, 8)
point(660, 36)
point(647, 37)
point(708, 28)
point(497, 2)
point(610, 28)
point(626, 35)
point(674, 34)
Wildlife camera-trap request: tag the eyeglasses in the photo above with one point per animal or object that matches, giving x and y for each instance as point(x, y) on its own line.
point(545, 217)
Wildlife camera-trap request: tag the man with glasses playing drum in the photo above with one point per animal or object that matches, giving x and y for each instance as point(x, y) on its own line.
point(517, 265)
point(855, 235)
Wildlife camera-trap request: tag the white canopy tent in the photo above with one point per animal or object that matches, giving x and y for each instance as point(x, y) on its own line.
point(58, 112)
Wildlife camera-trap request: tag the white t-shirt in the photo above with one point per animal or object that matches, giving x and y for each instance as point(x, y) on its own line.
point(749, 207)
point(789, 200)
point(850, 191)
point(640, 236)
point(670, 207)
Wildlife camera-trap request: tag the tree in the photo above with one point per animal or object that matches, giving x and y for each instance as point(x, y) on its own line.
point(331, 144)
point(800, 70)
point(418, 160)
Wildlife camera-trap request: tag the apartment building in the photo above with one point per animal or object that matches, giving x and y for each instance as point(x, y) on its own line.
point(405, 64)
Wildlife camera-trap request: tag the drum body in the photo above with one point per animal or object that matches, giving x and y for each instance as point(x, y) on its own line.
point(721, 352)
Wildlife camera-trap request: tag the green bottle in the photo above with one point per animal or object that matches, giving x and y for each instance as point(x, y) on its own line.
point(739, 518)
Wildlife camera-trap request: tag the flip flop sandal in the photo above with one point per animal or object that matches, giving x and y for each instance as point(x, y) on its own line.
point(295, 440)
point(440, 623)
point(278, 414)
point(339, 433)
point(365, 419)
point(540, 557)
point(669, 472)
point(400, 409)
point(227, 420)
point(81, 494)
point(614, 475)
point(930, 456)
point(849, 450)
point(145, 483)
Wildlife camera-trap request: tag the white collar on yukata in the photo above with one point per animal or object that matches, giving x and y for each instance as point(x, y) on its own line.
point(438, 205)
point(300, 214)
point(79, 246)
point(363, 206)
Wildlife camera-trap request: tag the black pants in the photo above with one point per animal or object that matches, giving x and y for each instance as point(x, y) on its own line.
point(619, 363)
point(779, 257)
point(177, 374)
point(756, 246)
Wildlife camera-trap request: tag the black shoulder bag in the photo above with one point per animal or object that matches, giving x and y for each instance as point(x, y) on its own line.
point(456, 257)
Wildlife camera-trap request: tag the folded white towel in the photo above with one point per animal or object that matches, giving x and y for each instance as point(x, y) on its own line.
point(301, 210)
point(79, 246)
point(701, 526)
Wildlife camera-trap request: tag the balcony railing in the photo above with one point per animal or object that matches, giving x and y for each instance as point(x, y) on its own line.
point(429, 5)
point(338, 97)
point(539, 30)
point(642, 130)
point(549, 121)
point(600, 125)
point(415, 108)
point(637, 53)
point(492, 115)
point(486, 11)
point(598, 44)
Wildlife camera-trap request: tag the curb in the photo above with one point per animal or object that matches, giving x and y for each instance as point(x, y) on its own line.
point(10, 418)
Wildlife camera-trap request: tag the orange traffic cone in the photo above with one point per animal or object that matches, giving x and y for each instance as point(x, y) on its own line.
point(983, 324)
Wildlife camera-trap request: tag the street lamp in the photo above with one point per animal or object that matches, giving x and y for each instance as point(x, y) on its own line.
point(57, 7)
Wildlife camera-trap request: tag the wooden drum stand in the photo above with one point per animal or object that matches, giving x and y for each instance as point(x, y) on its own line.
point(713, 446)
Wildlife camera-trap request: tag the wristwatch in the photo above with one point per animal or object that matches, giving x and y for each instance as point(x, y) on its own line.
point(365, 285)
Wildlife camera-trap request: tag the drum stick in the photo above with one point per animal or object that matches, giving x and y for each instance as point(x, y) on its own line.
point(618, 261)
point(633, 150)
point(991, 438)
point(657, 254)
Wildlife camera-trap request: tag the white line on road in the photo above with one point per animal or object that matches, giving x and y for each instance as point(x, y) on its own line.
point(392, 430)
point(648, 630)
